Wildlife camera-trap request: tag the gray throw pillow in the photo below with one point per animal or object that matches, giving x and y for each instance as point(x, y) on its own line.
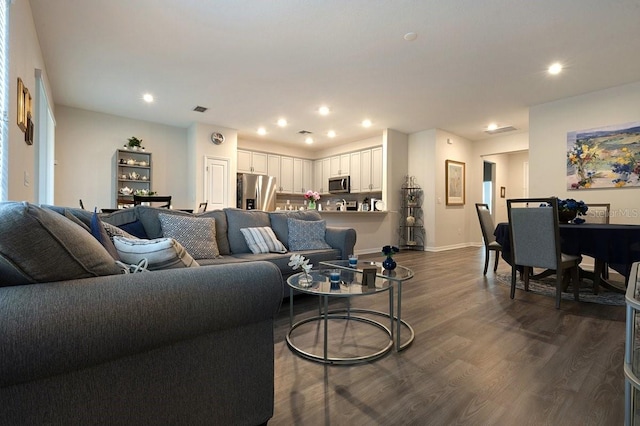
point(196, 234)
point(307, 234)
point(40, 245)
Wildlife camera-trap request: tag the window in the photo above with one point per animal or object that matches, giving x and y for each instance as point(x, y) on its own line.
point(4, 99)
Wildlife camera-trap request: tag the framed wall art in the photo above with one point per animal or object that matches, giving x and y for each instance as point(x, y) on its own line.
point(604, 157)
point(455, 183)
point(21, 111)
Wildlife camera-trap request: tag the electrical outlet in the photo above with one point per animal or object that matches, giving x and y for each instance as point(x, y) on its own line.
point(27, 179)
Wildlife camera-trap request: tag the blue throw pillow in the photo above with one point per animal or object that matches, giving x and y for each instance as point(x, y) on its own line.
point(100, 234)
point(135, 228)
point(307, 234)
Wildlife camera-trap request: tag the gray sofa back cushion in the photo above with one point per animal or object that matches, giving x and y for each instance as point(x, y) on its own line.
point(221, 229)
point(149, 218)
point(40, 245)
point(280, 225)
point(237, 219)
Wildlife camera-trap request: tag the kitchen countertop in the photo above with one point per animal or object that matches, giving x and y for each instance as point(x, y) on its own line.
point(352, 212)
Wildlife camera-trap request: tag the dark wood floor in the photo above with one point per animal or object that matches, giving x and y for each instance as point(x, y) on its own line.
point(479, 358)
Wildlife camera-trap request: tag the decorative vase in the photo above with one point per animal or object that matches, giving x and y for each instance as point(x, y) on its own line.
point(312, 205)
point(566, 216)
point(389, 264)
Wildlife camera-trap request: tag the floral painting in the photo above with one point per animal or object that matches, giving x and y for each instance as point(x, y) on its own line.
point(607, 157)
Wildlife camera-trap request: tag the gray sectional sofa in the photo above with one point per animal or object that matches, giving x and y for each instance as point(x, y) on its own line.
point(231, 242)
point(176, 346)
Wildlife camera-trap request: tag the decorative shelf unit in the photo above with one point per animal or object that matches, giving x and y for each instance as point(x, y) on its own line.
point(133, 171)
point(411, 227)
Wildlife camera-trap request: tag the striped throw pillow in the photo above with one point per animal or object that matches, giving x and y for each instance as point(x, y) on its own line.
point(262, 240)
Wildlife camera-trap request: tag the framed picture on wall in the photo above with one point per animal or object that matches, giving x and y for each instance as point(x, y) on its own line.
point(22, 112)
point(454, 180)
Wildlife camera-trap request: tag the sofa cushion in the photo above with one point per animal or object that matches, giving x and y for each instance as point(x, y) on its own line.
point(161, 253)
point(40, 245)
point(221, 229)
point(280, 225)
point(196, 234)
point(135, 228)
point(113, 231)
point(307, 234)
point(238, 219)
point(262, 240)
point(150, 218)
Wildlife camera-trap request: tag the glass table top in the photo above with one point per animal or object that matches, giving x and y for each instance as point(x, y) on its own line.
point(350, 283)
point(399, 274)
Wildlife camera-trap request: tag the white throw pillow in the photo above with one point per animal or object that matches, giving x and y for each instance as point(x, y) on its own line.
point(262, 240)
point(161, 253)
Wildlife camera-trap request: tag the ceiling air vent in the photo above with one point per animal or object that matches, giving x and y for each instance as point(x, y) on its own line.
point(200, 109)
point(304, 132)
point(501, 130)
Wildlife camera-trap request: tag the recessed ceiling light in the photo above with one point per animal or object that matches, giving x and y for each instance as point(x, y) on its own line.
point(308, 140)
point(282, 122)
point(331, 134)
point(491, 127)
point(555, 68)
point(147, 97)
point(366, 123)
point(410, 36)
point(262, 131)
point(323, 110)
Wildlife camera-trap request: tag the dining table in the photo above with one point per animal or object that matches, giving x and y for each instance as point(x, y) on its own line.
point(614, 245)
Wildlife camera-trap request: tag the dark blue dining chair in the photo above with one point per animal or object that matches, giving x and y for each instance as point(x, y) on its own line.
point(535, 243)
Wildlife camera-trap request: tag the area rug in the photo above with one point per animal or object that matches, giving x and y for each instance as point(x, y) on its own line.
point(547, 287)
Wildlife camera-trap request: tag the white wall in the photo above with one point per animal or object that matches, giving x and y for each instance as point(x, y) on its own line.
point(86, 143)
point(25, 57)
point(549, 124)
point(200, 147)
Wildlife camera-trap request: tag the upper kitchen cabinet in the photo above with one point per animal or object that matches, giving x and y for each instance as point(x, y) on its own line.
point(368, 177)
point(340, 165)
point(322, 172)
point(252, 162)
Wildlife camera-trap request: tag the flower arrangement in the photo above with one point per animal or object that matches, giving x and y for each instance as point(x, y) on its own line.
point(571, 205)
point(299, 261)
point(389, 251)
point(568, 209)
point(312, 195)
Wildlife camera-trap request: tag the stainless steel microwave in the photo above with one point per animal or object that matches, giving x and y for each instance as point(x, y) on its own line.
point(340, 185)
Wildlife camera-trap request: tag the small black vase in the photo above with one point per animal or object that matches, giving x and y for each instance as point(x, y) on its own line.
point(566, 216)
point(389, 264)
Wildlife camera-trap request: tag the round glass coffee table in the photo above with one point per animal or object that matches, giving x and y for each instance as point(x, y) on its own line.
point(349, 285)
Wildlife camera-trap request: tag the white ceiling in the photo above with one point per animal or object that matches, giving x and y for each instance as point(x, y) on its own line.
point(253, 61)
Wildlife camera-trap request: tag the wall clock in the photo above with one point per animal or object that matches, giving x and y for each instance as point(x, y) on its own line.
point(217, 138)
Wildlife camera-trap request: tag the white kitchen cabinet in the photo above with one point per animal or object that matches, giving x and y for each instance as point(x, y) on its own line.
point(252, 162)
point(376, 169)
point(273, 169)
point(318, 184)
point(307, 176)
point(340, 165)
point(370, 170)
point(286, 175)
point(355, 172)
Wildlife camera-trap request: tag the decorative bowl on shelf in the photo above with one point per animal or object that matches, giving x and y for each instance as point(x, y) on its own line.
point(126, 191)
point(131, 162)
point(142, 163)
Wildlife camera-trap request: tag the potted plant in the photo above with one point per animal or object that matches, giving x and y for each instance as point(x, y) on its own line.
point(135, 143)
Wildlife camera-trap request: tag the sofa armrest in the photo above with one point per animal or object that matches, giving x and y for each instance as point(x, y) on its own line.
point(53, 328)
point(343, 239)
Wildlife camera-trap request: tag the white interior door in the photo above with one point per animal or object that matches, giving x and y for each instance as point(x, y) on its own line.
point(216, 182)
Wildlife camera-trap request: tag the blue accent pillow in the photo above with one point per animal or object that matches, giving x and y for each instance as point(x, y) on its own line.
point(307, 234)
point(100, 234)
point(135, 228)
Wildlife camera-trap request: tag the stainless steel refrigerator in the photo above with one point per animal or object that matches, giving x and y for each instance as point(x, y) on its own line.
point(256, 192)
